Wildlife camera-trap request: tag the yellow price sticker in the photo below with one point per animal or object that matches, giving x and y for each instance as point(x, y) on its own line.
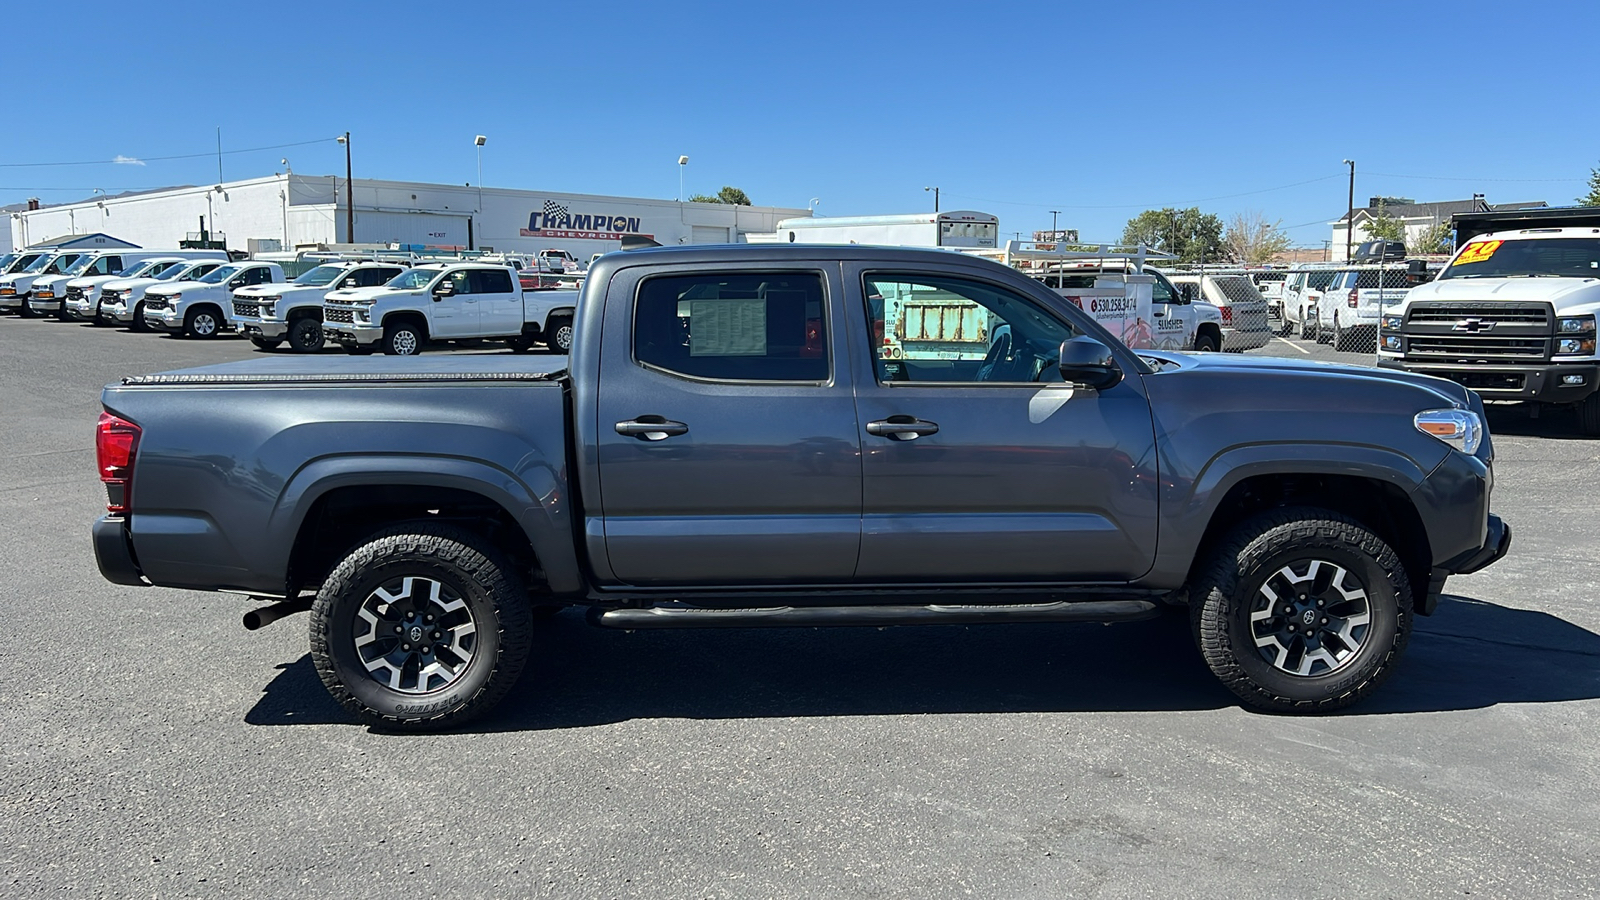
point(1477, 253)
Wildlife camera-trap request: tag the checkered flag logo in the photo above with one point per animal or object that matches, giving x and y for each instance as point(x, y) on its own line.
point(554, 210)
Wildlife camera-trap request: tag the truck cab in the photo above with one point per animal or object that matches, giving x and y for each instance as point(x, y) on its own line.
point(204, 308)
point(1512, 317)
point(269, 314)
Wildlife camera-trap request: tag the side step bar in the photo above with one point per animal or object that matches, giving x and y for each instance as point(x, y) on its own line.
point(819, 616)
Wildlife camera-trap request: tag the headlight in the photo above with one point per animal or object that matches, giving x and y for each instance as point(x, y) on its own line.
point(172, 298)
point(1575, 346)
point(1390, 323)
point(1391, 342)
point(1460, 428)
point(1575, 325)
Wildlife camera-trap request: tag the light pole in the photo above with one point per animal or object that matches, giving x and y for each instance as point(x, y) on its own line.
point(935, 197)
point(1350, 211)
point(288, 172)
point(815, 202)
point(1053, 214)
point(478, 142)
point(682, 161)
point(349, 194)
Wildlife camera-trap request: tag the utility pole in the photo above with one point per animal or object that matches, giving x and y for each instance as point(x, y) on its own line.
point(935, 197)
point(1350, 211)
point(349, 194)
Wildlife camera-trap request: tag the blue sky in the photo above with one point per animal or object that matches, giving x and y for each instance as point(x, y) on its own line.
point(1097, 110)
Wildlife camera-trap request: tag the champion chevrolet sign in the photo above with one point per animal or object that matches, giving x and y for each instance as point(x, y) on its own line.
point(557, 221)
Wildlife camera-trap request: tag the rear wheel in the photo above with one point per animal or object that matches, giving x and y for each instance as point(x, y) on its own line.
point(305, 335)
point(422, 628)
point(1302, 610)
point(560, 334)
point(402, 339)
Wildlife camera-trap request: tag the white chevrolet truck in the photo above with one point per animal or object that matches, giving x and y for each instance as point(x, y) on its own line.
point(203, 308)
point(122, 299)
point(447, 302)
point(1512, 317)
point(269, 314)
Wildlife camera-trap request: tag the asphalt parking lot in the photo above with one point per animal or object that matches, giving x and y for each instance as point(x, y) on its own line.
point(153, 747)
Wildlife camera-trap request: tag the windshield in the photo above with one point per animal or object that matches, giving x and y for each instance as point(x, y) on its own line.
point(1577, 257)
point(319, 276)
point(174, 271)
point(412, 279)
point(6, 261)
point(40, 264)
point(220, 275)
point(137, 269)
point(78, 265)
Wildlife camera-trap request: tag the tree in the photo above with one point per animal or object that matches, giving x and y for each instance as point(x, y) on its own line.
point(1252, 240)
point(1384, 227)
point(1593, 197)
point(1434, 240)
point(1193, 236)
point(729, 195)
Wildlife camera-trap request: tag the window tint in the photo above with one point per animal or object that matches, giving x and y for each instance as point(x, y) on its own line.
point(460, 281)
point(1162, 291)
point(746, 326)
point(1392, 278)
point(491, 281)
point(1319, 281)
point(1238, 289)
point(258, 275)
point(929, 328)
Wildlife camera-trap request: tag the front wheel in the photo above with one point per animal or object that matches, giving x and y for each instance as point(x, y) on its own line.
point(1302, 610)
point(1205, 343)
point(421, 628)
point(402, 339)
point(262, 343)
point(1589, 415)
point(202, 322)
point(305, 335)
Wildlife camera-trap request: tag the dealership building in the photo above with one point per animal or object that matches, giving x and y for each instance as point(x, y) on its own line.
point(286, 211)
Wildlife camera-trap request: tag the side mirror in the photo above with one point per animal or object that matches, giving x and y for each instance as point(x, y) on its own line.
point(444, 288)
point(236, 283)
point(1086, 361)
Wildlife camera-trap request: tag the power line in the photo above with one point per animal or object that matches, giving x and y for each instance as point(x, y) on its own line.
point(123, 161)
point(1047, 206)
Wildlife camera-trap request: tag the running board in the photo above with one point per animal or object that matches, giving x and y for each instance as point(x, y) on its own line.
point(819, 616)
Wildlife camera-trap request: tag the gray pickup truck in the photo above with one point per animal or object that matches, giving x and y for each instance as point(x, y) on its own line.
point(732, 443)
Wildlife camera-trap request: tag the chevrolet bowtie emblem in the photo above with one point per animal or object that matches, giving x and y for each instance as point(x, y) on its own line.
point(1473, 325)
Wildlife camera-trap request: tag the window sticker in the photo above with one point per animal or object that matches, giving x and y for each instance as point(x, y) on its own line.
point(736, 327)
point(1477, 253)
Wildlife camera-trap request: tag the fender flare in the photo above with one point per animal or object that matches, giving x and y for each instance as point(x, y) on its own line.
point(537, 507)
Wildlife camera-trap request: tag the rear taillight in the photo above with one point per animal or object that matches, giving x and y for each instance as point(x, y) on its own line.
point(1227, 315)
point(1353, 299)
point(116, 443)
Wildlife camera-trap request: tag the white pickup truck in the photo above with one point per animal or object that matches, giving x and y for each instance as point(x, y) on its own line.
point(269, 314)
point(203, 309)
point(122, 299)
point(1512, 316)
point(83, 295)
point(446, 302)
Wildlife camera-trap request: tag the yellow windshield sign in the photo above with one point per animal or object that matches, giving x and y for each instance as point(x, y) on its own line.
point(1476, 253)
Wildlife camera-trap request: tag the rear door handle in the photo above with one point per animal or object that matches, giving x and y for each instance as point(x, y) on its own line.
point(902, 428)
point(651, 428)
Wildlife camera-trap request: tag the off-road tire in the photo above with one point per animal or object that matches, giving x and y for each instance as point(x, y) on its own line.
point(195, 323)
point(1589, 415)
point(306, 335)
point(403, 338)
point(464, 564)
point(1228, 589)
point(262, 343)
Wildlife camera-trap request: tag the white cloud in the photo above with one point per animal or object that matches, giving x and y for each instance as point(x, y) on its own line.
point(121, 160)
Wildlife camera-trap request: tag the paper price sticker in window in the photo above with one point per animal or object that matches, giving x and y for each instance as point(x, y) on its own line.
point(1477, 253)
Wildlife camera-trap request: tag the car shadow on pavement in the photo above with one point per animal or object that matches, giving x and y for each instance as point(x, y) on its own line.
point(1471, 654)
point(1518, 420)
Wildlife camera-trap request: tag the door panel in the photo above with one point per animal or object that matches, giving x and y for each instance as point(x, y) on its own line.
point(499, 302)
point(457, 314)
point(1024, 480)
point(755, 473)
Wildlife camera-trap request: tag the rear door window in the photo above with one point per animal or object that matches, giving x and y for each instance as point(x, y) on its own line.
point(491, 281)
point(736, 326)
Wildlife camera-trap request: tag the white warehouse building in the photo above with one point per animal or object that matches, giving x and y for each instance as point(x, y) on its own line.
point(289, 211)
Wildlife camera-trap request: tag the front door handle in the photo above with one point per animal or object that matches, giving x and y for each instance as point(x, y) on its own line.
point(902, 428)
point(651, 428)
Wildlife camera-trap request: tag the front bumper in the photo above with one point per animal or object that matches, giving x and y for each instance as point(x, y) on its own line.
point(262, 328)
point(12, 301)
point(113, 551)
point(48, 303)
point(1543, 382)
point(347, 334)
point(169, 320)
